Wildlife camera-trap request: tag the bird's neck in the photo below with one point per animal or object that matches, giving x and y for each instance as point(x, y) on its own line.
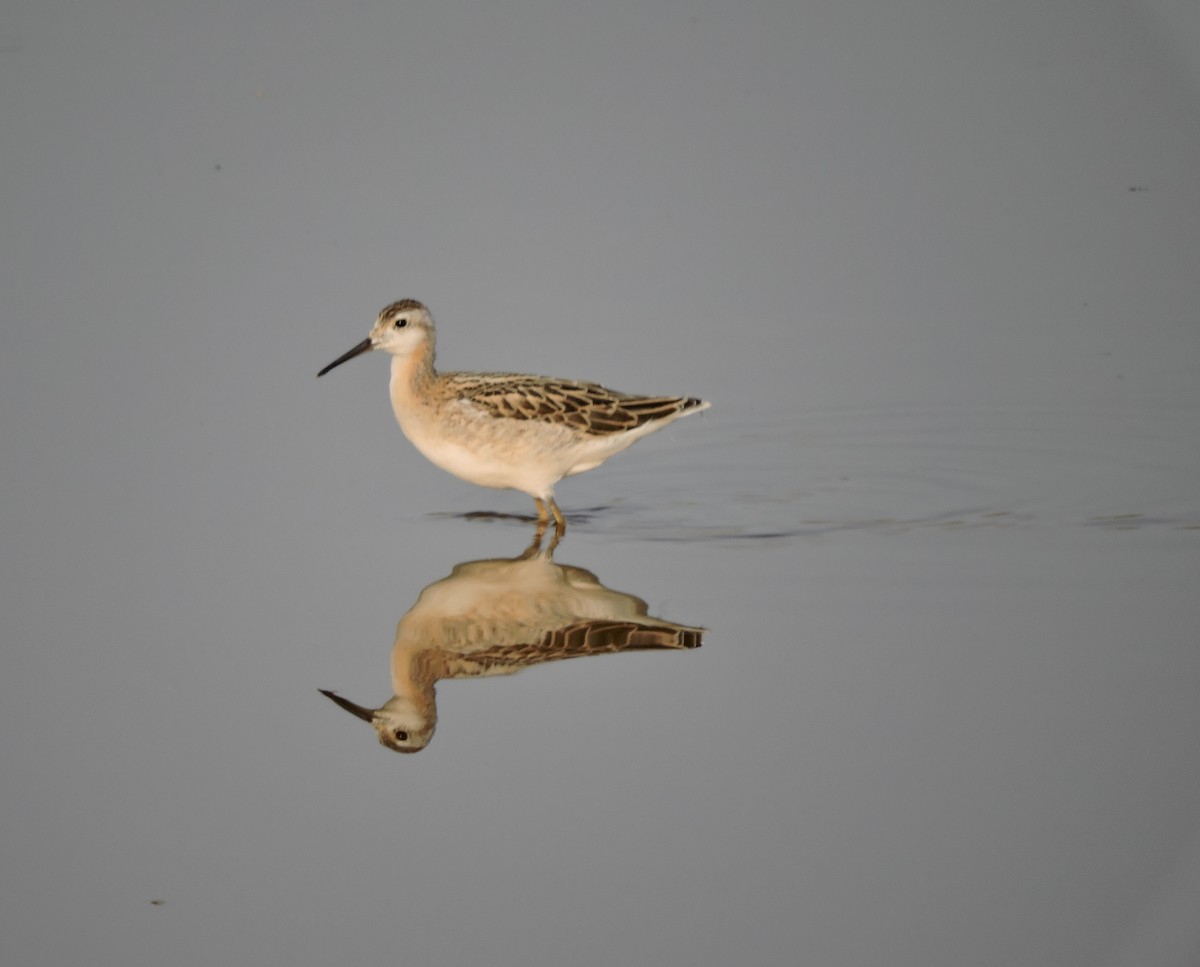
point(415, 672)
point(413, 681)
point(412, 373)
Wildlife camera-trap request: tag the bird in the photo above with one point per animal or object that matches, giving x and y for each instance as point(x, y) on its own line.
point(495, 617)
point(506, 430)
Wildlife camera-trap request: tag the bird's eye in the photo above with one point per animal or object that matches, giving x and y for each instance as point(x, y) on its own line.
point(401, 735)
point(401, 323)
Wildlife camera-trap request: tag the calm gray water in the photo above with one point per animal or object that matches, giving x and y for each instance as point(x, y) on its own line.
point(935, 266)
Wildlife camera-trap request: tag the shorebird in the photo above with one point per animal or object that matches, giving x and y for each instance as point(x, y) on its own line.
point(507, 430)
point(496, 617)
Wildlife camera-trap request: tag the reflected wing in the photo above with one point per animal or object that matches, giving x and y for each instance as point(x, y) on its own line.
point(601, 637)
point(596, 637)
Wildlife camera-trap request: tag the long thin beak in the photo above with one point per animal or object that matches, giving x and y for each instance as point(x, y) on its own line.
point(366, 714)
point(363, 347)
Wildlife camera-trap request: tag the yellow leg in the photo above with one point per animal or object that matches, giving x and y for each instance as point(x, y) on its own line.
point(546, 509)
point(560, 522)
point(536, 544)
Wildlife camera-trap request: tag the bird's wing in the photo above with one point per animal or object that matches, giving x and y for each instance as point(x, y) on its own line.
point(583, 406)
point(597, 636)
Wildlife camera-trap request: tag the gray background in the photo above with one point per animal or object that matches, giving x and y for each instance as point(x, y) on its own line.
point(937, 264)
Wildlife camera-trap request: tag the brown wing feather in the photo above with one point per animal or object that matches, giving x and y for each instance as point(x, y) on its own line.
point(585, 406)
point(594, 637)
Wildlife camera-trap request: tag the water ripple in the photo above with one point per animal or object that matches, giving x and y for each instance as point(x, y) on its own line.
point(899, 469)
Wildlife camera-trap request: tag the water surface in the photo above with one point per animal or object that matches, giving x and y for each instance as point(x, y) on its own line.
point(935, 266)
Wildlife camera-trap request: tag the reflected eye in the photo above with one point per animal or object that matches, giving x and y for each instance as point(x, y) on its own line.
point(401, 735)
point(401, 323)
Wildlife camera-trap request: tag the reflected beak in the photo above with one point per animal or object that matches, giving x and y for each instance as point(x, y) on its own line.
point(363, 347)
point(366, 714)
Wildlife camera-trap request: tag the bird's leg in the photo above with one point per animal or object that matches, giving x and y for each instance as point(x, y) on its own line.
point(543, 518)
point(535, 546)
point(547, 508)
point(560, 522)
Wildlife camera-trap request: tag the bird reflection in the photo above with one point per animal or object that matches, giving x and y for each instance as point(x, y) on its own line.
point(495, 617)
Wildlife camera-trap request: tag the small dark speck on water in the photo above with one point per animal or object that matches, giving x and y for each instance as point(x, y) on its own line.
point(157, 903)
point(217, 167)
point(1138, 188)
